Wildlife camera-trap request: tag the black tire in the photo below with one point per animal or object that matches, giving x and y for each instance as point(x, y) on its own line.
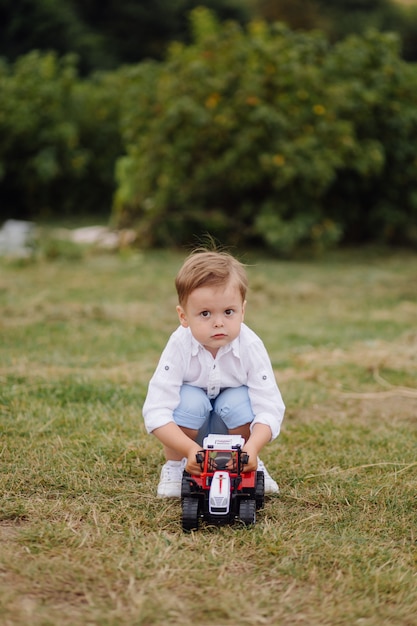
point(247, 512)
point(185, 485)
point(190, 516)
point(260, 490)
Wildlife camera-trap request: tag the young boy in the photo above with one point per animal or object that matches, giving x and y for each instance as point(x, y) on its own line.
point(214, 374)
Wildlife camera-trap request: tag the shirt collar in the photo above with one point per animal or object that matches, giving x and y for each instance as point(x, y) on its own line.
point(235, 346)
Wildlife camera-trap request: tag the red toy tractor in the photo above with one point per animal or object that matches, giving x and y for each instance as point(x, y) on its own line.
point(224, 492)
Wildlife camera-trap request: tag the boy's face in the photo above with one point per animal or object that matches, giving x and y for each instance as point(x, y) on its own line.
point(214, 315)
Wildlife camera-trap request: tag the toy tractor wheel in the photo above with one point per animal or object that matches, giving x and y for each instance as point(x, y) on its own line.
point(190, 517)
point(185, 485)
point(247, 512)
point(260, 490)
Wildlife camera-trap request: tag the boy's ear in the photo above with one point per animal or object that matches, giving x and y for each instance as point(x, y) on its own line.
point(181, 316)
point(243, 309)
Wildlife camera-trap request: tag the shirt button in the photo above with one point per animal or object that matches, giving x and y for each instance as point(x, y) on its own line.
point(167, 367)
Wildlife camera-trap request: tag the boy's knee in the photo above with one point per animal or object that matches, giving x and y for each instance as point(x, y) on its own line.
point(193, 409)
point(194, 401)
point(234, 407)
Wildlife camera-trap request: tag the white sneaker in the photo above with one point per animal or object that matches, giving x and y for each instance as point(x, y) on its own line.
point(171, 479)
point(270, 484)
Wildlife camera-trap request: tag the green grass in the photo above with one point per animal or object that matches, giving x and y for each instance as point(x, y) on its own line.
point(83, 540)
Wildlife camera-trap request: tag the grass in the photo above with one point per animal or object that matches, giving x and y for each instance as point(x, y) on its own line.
point(83, 540)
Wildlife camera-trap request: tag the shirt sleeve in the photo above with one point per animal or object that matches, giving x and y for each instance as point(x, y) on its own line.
point(265, 396)
point(163, 395)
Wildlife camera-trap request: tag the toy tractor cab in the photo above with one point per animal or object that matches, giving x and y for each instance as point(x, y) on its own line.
point(224, 492)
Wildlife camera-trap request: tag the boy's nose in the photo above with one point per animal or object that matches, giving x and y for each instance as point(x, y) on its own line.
point(218, 322)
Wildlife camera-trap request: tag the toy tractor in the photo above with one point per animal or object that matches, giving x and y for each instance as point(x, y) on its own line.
point(224, 492)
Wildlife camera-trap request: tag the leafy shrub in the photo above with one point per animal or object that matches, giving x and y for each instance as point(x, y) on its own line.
point(211, 143)
point(374, 196)
point(269, 136)
point(358, 17)
point(59, 138)
point(259, 136)
point(340, 19)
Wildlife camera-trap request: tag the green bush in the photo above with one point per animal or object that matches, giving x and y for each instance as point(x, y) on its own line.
point(340, 19)
point(356, 17)
point(260, 136)
point(96, 109)
point(375, 196)
point(59, 138)
point(272, 137)
point(212, 142)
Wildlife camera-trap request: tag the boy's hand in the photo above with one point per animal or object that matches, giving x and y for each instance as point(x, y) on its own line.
point(192, 466)
point(261, 434)
point(252, 464)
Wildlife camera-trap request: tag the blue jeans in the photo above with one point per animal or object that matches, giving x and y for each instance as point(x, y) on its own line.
point(229, 410)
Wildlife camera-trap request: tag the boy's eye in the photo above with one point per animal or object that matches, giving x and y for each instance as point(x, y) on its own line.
point(229, 312)
point(205, 313)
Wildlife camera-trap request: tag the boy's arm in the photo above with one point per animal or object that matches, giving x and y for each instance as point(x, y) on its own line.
point(261, 435)
point(264, 394)
point(171, 436)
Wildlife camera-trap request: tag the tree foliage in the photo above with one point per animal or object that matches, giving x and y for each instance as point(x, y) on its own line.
point(259, 134)
point(346, 17)
point(270, 136)
point(104, 35)
point(59, 138)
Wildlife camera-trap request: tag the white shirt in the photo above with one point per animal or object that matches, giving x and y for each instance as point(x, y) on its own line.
point(184, 360)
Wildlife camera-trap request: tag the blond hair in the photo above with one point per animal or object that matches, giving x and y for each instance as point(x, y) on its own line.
point(204, 268)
